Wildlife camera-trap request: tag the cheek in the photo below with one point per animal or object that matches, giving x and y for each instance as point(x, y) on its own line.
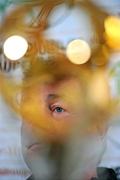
point(33, 110)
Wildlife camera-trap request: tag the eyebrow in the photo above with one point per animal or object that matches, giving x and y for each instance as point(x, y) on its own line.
point(52, 96)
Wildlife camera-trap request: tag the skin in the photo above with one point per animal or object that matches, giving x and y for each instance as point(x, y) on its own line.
point(59, 107)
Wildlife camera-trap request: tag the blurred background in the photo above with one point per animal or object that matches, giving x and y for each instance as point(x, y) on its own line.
point(10, 123)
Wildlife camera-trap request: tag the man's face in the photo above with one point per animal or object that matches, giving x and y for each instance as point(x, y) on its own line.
point(54, 106)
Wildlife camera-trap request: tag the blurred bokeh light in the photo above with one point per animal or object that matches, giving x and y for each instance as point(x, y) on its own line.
point(112, 30)
point(78, 51)
point(15, 47)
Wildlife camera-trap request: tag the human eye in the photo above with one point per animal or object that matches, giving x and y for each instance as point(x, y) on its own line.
point(56, 109)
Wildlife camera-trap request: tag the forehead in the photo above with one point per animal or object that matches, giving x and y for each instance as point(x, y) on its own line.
point(67, 24)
